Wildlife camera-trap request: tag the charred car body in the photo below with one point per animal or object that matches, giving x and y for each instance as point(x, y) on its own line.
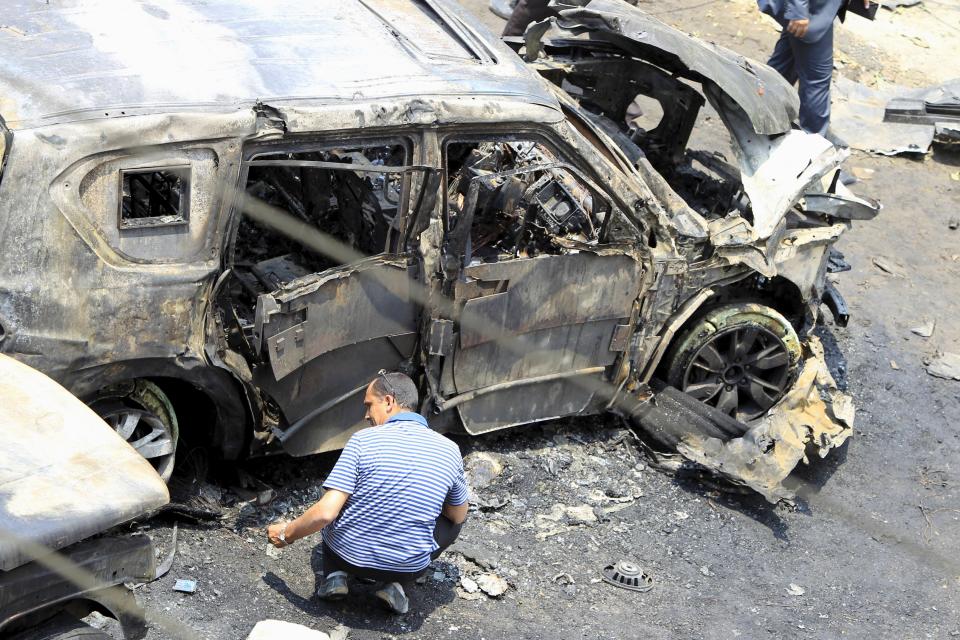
point(526, 249)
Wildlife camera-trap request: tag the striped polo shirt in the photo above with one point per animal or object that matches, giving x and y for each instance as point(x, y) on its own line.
point(398, 475)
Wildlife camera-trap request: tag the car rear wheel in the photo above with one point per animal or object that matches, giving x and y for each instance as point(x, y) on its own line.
point(143, 416)
point(740, 358)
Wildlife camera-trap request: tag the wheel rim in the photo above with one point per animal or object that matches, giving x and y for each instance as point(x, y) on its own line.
point(742, 371)
point(146, 433)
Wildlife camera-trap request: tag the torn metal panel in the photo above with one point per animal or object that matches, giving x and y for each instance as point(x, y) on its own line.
point(813, 416)
point(64, 473)
point(932, 105)
point(775, 171)
point(858, 118)
point(770, 102)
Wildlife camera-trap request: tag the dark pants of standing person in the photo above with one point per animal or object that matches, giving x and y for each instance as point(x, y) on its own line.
point(524, 13)
point(444, 532)
point(810, 63)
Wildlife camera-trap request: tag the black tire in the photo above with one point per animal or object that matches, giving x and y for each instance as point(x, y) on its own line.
point(740, 358)
point(143, 415)
point(62, 627)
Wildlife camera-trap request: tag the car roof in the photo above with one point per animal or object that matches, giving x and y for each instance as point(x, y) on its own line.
point(81, 59)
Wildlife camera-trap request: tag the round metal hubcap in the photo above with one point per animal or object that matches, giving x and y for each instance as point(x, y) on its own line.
point(743, 371)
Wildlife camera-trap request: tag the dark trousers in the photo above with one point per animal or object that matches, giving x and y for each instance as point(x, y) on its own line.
point(810, 63)
point(444, 532)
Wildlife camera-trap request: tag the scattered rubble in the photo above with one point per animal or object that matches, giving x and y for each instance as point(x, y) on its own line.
point(925, 329)
point(796, 590)
point(945, 365)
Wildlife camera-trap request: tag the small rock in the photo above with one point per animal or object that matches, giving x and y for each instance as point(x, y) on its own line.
point(705, 570)
point(439, 576)
point(581, 515)
point(888, 266)
point(894, 365)
point(492, 584)
point(796, 590)
point(469, 584)
point(274, 552)
point(945, 365)
point(481, 469)
point(925, 329)
point(954, 224)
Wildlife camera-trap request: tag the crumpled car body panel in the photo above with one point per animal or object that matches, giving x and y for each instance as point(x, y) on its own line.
point(64, 473)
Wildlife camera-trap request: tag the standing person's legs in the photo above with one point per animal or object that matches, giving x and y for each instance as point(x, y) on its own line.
point(782, 58)
point(814, 63)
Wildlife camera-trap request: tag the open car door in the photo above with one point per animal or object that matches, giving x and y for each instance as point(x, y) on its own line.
point(321, 330)
point(544, 307)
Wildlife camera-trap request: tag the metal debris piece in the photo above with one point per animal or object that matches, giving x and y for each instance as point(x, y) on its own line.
point(627, 575)
point(185, 586)
point(858, 117)
point(925, 329)
point(945, 365)
point(796, 590)
point(563, 578)
point(279, 629)
point(492, 584)
point(894, 4)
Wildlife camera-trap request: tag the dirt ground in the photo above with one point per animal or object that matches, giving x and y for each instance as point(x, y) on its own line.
point(871, 551)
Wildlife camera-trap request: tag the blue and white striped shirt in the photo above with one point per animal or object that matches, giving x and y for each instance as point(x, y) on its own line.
point(398, 475)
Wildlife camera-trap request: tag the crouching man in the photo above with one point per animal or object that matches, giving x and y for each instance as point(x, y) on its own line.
point(396, 499)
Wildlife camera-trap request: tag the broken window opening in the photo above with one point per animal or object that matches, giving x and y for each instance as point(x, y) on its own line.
point(339, 191)
point(155, 197)
point(520, 199)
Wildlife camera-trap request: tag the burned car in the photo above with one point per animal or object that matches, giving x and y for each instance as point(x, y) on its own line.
point(229, 245)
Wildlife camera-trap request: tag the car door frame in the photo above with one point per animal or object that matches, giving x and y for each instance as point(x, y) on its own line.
point(441, 339)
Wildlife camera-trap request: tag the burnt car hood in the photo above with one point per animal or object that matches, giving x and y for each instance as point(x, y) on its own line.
point(768, 100)
point(65, 474)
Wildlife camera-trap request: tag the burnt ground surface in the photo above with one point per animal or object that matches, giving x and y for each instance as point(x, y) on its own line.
point(872, 548)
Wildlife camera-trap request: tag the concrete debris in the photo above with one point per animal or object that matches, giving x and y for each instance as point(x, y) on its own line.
point(925, 329)
point(280, 630)
point(813, 416)
point(796, 590)
point(705, 570)
point(945, 365)
point(481, 469)
point(492, 584)
point(469, 584)
point(894, 365)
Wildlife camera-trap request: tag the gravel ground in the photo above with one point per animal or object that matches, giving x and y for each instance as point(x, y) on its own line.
point(869, 553)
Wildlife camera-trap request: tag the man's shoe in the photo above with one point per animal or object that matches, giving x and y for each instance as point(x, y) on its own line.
point(334, 586)
point(393, 596)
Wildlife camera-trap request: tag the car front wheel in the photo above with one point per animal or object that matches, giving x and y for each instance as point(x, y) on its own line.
point(740, 358)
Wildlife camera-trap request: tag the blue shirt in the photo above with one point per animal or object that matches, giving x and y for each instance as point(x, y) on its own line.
point(398, 475)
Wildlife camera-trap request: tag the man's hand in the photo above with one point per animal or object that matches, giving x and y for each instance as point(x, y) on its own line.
point(273, 534)
point(798, 28)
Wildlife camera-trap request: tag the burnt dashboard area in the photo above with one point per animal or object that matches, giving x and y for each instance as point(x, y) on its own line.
point(651, 115)
point(516, 198)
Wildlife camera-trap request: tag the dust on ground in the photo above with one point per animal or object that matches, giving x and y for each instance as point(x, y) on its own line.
point(870, 553)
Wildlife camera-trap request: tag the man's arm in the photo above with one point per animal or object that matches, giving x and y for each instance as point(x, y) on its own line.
point(313, 519)
point(457, 514)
